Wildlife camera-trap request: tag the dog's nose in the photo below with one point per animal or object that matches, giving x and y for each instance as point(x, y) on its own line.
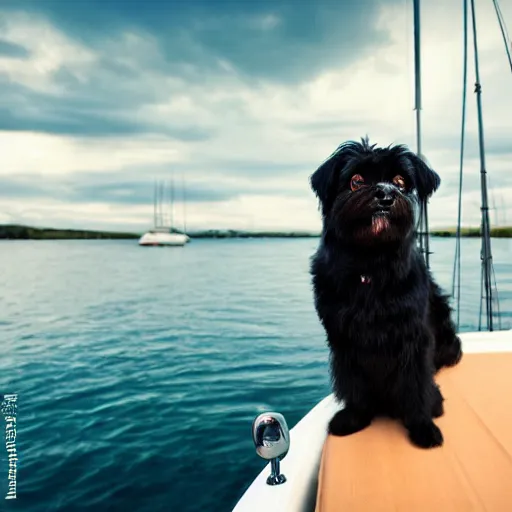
point(385, 195)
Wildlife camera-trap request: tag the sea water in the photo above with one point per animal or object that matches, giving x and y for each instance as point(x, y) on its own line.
point(139, 370)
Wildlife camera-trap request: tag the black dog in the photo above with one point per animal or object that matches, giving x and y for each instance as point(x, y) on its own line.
point(388, 324)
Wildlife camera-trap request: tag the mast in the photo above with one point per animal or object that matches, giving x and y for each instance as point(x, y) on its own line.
point(160, 205)
point(154, 204)
point(486, 253)
point(423, 226)
point(504, 32)
point(167, 204)
point(171, 192)
point(456, 262)
point(184, 203)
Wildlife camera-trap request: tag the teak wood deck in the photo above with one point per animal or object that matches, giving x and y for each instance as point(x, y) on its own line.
point(378, 469)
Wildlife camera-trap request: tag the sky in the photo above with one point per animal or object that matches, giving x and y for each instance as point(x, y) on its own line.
point(237, 101)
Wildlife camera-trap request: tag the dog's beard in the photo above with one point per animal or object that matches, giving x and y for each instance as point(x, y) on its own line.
point(357, 217)
point(379, 224)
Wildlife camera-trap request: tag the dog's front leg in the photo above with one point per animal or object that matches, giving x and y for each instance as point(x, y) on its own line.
point(358, 412)
point(419, 396)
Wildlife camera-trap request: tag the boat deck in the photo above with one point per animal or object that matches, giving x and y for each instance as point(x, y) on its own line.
point(379, 469)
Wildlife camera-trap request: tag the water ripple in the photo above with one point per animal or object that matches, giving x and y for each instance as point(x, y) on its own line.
point(139, 372)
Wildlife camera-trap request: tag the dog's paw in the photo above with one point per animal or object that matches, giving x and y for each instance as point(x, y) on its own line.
point(425, 435)
point(348, 421)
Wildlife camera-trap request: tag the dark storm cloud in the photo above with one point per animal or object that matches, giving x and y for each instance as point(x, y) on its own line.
point(286, 40)
point(22, 109)
point(91, 124)
point(281, 42)
point(190, 43)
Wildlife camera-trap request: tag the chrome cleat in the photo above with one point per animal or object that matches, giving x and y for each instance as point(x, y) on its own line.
point(272, 441)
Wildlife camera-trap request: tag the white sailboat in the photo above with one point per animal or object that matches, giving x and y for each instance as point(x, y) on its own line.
point(162, 236)
point(377, 468)
point(163, 233)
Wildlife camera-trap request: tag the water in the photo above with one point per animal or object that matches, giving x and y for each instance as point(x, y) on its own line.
point(139, 371)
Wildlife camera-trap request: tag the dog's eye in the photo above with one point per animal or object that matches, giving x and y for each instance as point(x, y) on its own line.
point(356, 182)
point(399, 182)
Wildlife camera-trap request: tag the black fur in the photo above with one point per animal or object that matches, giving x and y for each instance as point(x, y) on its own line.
point(388, 324)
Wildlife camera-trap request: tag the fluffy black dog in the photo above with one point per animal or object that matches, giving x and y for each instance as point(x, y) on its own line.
point(388, 324)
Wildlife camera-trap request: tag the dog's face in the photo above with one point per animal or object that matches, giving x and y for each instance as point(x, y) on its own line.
point(369, 195)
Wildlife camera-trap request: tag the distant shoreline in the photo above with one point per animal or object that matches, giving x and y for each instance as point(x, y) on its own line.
point(19, 232)
point(498, 232)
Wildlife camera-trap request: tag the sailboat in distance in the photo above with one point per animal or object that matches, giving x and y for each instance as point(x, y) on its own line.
point(163, 234)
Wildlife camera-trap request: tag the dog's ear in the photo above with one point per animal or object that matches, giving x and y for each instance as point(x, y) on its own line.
point(322, 179)
point(325, 177)
point(427, 180)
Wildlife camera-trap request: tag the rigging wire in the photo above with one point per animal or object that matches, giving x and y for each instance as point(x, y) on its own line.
point(171, 209)
point(423, 222)
point(493, 274)
point(160, 204)
point(481, 295)
point(184, 203)
point(504, 31)
point(497, 302)
point(486, 253)
point(155, 213)
point(456, 263)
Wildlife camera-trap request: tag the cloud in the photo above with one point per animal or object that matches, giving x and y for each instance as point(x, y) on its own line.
point(131, 189)
point(85, 124)
point(71, 122)
point(133, 63)
point(282, 41)
point(87, 189)
point(13, 50)
point(243, 99)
